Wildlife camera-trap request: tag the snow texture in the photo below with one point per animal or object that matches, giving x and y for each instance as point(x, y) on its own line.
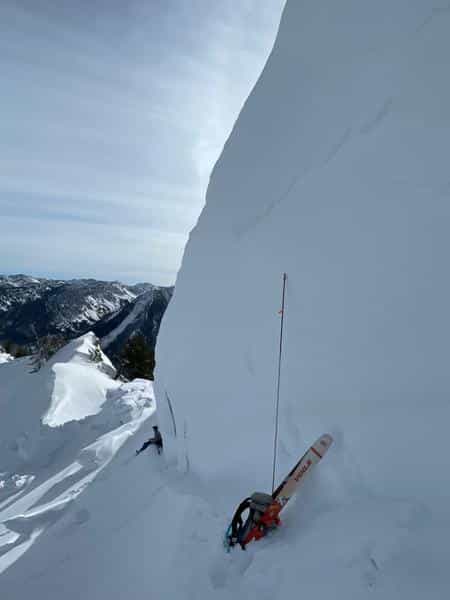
point(4, 356)
point(336, 172)
point(75, 396)
point(60, 428)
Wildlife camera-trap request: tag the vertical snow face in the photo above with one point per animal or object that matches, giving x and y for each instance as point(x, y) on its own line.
point(337, 173)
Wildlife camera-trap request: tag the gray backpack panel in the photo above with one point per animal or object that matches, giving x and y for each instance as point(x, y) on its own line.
point(260, 501)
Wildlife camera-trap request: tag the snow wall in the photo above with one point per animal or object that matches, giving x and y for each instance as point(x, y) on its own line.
point(337, 173)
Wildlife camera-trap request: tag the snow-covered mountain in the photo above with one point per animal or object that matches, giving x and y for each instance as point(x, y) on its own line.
point(142, 316)
point(336, 173)
point(72, 308)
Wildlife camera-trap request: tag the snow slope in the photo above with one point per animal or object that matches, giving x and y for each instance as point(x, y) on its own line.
point(139, 307)
point(336, 172)
point(75, 396)
point(59, 428)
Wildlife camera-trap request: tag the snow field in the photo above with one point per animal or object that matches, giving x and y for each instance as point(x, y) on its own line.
point(336, 172)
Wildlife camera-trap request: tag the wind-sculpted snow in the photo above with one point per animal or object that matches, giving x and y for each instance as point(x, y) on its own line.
point(75, 396)
point(337, 173)
point(59, 428)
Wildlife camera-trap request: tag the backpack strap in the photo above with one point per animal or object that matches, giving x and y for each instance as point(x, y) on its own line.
point(237, 521)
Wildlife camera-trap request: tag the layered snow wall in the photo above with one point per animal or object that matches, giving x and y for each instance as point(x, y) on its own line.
point(336, 172)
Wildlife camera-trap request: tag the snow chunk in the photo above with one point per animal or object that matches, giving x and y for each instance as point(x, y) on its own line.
point(5, 357)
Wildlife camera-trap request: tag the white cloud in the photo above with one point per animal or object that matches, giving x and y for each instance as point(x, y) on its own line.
point(111, 123)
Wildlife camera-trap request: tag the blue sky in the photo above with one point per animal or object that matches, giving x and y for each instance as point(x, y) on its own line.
point(113, 113)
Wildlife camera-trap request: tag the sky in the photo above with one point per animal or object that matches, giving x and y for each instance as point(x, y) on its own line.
point(113, 113)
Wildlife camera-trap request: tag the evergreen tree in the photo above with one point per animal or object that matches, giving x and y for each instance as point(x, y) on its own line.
point(96, 353)
point(20, 351)
point(14, 349)
point(137, 359)
point(45, 348)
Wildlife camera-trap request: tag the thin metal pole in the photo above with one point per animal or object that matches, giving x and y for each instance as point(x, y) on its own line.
point(275, 441)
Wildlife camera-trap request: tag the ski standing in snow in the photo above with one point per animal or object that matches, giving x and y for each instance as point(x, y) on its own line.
point(264, 509)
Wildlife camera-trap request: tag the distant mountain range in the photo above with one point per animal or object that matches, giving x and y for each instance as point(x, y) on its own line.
point(31, 307)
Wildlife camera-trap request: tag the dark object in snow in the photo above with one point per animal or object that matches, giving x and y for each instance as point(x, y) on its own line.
point(256, 504)
point(137, 360)
point(264, 509)
point(156, 440)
